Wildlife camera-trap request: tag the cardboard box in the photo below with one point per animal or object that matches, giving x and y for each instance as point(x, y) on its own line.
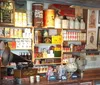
point(56, 39)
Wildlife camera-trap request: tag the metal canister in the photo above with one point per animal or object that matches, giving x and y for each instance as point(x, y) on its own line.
point(37, 9)
point(49, 15)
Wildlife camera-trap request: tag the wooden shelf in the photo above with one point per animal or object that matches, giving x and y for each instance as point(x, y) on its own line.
point(49, 58)
point(74, 41)
point(44, 72)
point(74, 52)
point(12, 26)
point(47, 64)
point(47, 28)
point(21, 49)
point(14, 38)
point(83, 30)
point(46, 44)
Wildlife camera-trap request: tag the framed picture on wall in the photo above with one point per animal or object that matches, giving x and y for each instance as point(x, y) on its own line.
point(7, 12)
point(99, 35)
point(98, 39)
point(91, 39)
point(99, 17)
point(92, 18)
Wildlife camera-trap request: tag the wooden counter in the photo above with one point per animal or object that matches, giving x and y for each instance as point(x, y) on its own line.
point(66, 82)
point(90, 77)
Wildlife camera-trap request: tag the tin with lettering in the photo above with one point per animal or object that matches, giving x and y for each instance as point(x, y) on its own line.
point(37, 15)
point(49, 15)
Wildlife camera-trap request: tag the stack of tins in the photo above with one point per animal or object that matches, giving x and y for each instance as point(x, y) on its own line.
point(42, 18)
point(37, 14)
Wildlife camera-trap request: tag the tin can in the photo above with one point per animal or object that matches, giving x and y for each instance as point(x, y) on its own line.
point(37, 78)
point(49, 15)
point(31, 79)
point(37, 15)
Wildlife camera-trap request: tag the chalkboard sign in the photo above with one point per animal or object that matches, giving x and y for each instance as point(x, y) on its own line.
point(7, 12)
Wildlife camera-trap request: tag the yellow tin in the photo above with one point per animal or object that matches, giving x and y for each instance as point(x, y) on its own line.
point(49, 15)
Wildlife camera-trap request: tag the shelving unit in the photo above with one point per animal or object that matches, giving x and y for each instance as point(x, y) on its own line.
point(74, 41)
point(42, 61)
point(21, 44)
point(68, 41)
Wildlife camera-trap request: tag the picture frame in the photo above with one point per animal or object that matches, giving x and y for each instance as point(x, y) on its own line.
point(99, 17)
point(7, 13)
point(98, 39)
point(92, 18)
point(91, 39)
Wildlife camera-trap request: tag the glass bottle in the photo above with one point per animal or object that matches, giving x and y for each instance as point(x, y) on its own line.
point(71, 23)
point(36, 36)
point(25, 55)
point(82, 24)
point(65, 22)
point(57, 22)
point(45, 34)
point(29, 56)
point(76, 24)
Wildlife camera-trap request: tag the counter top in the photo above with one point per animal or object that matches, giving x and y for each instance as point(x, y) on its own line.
point(58, 82)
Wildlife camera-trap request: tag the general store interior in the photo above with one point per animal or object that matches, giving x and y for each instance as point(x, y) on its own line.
point(50, 35)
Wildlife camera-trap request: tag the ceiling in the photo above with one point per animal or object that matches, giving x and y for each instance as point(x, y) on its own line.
point(83, 3)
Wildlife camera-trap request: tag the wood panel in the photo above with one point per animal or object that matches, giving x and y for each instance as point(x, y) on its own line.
point(92, 73)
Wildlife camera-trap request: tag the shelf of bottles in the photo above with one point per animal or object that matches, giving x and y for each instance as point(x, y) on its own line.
point(26, 55)
point(74, 35)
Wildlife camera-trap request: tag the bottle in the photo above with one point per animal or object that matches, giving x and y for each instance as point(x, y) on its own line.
point(76, 24)
point(65, 22)
point(45, 34)
point(36, 36)
point(71, 23)
point(57, 22)
point(82, 24)
point(25, 55)
point(29, 56)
